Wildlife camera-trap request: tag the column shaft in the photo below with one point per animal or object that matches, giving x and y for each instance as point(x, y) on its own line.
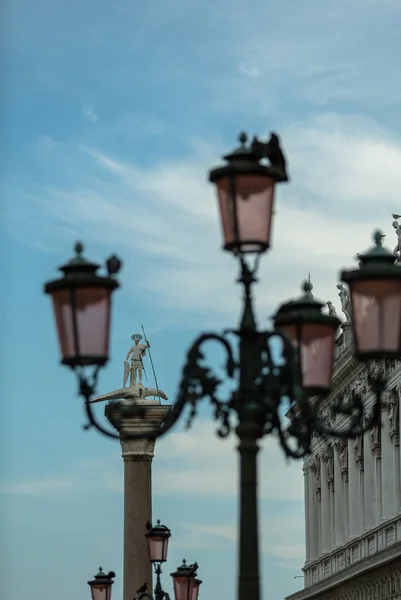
point(369, 483)
point(353, 492)
point(137, 512)
point(325, 506)
point(339, 516)
point(387, 468)
point(308, 524)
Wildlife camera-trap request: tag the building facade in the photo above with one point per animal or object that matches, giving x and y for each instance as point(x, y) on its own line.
point(353, 493)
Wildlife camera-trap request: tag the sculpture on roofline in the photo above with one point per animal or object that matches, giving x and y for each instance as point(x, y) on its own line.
point(397, 227)
point(345, 302)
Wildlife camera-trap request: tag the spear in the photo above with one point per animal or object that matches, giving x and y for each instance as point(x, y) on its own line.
point(151, 362)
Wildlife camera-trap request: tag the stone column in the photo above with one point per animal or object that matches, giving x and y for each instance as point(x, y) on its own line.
point(325, 504)
point(339, 500)
point(375, 445)
point(360, 464)
point(315, 467)
point(330, 481)
point(368, 482)
point(308, 499)
point(344, 477)
point(353, 491)
point(313, 515)
point(394, 423)
point(137, 456)
point(387, 464)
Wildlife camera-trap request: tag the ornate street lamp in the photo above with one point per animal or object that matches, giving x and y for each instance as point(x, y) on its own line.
point(82, 311)
point(158, 537)
point(269, 386)
point(186, 584)
point(101, 585)
point(375, 290)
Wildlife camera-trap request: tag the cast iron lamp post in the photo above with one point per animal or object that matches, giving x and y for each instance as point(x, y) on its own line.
point(268, 387)
point(186, 583)
point(101, 585)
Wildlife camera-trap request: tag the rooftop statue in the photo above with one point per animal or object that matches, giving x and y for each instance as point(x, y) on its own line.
point(345, 302)
point(397, 227)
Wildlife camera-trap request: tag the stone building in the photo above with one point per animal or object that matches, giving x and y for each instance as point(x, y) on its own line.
point(353, 494)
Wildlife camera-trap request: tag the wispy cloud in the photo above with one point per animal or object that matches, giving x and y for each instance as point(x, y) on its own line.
point(88, 112)
point(345, 179)
point(38, 487)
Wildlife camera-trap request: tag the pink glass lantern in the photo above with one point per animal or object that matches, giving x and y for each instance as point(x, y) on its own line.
point(82, 306)
point(312, 335)
point(375, 292)
point(101, 585)
point(245, 192)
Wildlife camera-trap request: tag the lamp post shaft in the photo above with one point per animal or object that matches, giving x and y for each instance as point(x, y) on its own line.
point(249, 586)
point(248, 431)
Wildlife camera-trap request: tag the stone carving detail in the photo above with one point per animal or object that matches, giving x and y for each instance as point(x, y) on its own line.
point(315, 468)
point(393, 417)
point(375, 441)
point(342, 449)
point(144, 448)
point(330, 467)
point(358, 450)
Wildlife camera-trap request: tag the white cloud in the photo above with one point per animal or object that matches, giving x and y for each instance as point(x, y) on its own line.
point(88, 112)
point(345, 181)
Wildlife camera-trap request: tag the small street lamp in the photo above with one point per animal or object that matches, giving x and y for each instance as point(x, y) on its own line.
point(186, 583)
point(266, 387)
point(101, 585)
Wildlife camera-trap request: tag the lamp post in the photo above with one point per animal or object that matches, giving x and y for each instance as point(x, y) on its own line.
point(267, 388)
point(101, 585)
point(186, 583)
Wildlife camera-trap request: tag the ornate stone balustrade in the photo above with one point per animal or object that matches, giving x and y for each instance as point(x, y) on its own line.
point(370, 544)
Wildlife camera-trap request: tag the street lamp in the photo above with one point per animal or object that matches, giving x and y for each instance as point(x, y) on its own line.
point(82, 311)
point(101, 585)
point(186, 583)
point(267, 386)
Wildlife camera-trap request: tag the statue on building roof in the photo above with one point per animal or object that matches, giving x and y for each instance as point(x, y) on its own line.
point(331, 307)
point(397, 227)
point(345, 302)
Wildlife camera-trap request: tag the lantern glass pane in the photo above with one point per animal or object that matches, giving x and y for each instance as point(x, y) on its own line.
point(101, 591)
point(316, 343)
point(158, 546)
point(246, 216)
point(183, 587)
point(195, 591)
point(376, 306)
point(89, 340)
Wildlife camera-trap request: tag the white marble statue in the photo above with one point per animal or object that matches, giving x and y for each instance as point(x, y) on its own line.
point(397, 227)
point(345, 302)
point(136, 391)
point(136, 352)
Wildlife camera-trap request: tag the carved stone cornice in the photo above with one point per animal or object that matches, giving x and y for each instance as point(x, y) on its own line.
point(376, 554)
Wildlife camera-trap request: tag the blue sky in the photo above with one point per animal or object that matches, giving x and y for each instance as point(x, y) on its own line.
point(112, 115)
